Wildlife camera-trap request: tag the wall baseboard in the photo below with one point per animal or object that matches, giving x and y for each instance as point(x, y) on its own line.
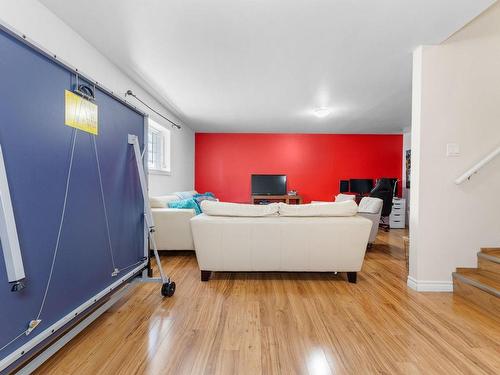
point(429, 286)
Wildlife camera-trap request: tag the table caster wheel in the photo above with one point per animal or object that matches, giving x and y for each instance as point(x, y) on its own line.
point(168, 289)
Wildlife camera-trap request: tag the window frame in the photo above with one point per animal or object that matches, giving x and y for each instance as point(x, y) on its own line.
point(165, 153)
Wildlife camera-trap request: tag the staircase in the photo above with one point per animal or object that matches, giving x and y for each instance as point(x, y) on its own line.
point(481, 286)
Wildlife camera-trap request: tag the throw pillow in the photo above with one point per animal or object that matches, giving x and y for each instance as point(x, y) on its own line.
point(207, 194)
point(185, 203)
point(204, 197)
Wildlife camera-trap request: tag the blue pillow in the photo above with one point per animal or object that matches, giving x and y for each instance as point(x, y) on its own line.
point(199, 200)
point(203, 197)
point(207, 194)
point(185, 203)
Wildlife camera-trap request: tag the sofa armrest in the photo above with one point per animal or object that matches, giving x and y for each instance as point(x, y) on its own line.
point(375, 219)
point(173, 229)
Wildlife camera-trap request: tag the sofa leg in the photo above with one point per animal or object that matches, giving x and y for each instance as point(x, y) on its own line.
point(205, 275)
point(352, 277)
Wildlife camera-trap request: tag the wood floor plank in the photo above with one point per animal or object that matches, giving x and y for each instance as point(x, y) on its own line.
point(288, 323)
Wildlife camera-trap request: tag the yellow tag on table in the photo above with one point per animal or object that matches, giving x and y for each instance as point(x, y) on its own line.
point(80, 113)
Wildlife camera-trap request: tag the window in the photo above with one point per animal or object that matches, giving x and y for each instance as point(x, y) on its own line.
point(158, 149)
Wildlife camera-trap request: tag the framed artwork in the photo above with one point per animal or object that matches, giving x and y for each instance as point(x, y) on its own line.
point(408, 167)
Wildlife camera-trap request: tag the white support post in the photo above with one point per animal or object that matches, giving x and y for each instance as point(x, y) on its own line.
point(8, 233)
point(148, 215)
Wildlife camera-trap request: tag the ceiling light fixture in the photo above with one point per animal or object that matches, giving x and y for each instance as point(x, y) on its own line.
point(321, 112)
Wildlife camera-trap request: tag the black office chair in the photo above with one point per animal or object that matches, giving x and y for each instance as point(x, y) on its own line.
point(384, 190)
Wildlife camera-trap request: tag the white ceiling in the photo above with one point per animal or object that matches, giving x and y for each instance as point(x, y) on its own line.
point(263, 66)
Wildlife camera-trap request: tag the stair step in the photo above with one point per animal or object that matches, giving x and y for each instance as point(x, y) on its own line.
point(493, 252)
point(478, 287)
point(488, 259)
point(481, 279)
point(490, 264)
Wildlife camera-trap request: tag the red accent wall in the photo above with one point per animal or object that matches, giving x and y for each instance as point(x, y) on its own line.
point(314, 163)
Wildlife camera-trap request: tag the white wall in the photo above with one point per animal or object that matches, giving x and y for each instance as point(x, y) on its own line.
point(456, 99)
point(40, 25)
point(182, 165)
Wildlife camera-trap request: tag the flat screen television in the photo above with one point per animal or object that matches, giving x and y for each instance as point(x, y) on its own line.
point(361, 185)
point(268, 184)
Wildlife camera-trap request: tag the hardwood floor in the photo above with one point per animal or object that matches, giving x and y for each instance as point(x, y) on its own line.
point(272, 323)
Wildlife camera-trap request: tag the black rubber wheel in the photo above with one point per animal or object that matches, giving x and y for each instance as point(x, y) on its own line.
point(168, 289)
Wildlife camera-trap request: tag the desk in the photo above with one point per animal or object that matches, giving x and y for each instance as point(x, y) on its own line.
point(397, 219)
point(282, 198)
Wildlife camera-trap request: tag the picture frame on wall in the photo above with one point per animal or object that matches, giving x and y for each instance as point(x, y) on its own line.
point(408, 167)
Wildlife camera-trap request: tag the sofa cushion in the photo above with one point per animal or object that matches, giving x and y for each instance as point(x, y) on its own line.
point(370, 205)
point(162, 200)
point(185, 194)
point(346, 208)
point(344, 197)
point(236, 209)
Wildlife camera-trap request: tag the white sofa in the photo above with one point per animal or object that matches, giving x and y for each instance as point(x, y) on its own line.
point(279, 237)
point(172, 226)
point(371, 208)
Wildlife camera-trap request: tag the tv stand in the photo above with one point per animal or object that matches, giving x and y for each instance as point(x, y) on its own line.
point(280, 198)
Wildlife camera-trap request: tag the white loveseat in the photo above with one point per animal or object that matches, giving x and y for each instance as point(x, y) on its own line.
point(280, 237)
point(371, 208)
point(172, 226)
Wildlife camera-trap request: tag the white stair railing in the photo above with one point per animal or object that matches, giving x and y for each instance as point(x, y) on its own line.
point(468, 174)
